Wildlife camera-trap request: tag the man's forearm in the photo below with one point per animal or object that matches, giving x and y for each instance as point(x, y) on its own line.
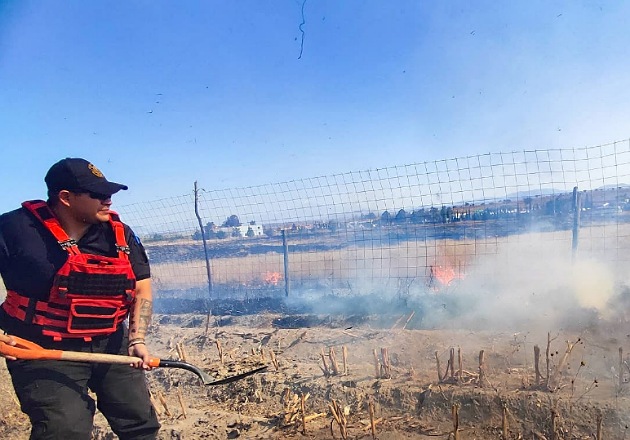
point(141, 312)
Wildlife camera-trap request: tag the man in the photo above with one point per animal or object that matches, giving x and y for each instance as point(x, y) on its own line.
point(74, 273)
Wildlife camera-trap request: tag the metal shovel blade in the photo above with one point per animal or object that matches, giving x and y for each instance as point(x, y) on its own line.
point(206, 379)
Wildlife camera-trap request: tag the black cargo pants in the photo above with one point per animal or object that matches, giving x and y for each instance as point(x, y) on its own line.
point(54, 394)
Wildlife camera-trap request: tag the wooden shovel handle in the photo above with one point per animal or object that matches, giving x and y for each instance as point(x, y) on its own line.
point(24, 349)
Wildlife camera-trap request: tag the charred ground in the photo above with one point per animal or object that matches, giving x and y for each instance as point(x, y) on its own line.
point(390, 367)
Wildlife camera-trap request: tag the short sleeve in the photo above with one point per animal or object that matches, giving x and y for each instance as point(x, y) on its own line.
point(137, 255)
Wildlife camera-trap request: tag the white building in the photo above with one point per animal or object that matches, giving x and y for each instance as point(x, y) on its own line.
point(257, 229)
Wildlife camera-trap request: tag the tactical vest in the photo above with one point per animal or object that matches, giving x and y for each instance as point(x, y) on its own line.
point(91, 294)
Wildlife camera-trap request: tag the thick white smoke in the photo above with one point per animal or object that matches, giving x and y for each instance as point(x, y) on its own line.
point(529, 284)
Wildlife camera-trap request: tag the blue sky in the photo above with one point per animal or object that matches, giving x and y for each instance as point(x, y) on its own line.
point(160, 94)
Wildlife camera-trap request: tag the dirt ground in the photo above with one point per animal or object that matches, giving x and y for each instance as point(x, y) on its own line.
point(581, 394)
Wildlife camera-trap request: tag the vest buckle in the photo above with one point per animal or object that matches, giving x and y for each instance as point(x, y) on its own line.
point(124, 249)
point(65, 244)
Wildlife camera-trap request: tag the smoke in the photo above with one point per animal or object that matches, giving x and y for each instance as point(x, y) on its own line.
point(593, 284)
point(530, 284)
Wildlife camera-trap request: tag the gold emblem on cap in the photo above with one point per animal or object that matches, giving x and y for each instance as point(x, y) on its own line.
point(95, 170)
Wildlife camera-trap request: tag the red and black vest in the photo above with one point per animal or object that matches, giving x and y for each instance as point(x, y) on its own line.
point(91, 294)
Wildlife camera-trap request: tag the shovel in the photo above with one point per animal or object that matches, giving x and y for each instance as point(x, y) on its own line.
point(27, 350)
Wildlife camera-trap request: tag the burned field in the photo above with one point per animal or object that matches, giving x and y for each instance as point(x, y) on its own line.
point(336, 379)
point(379, 377)
point(522, 347)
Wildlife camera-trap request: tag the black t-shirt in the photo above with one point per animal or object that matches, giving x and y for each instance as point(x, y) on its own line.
point(30, 255)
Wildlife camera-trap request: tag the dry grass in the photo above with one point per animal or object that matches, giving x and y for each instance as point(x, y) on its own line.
point(404, 260)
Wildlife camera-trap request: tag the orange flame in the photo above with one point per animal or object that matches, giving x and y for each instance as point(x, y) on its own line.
point(444, 274)
point(272, 278)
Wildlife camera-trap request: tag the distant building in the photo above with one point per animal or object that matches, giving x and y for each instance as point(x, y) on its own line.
point(256, 229)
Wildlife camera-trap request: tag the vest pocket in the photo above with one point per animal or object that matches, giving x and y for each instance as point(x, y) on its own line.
point(98, 316)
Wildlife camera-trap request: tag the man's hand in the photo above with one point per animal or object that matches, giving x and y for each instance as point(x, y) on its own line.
point(7, 339)
point(139, 349)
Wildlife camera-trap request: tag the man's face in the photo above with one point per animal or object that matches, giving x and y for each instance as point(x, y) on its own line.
point(90, 207)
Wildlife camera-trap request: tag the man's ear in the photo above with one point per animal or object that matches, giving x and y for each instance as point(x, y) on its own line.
point(64, 197)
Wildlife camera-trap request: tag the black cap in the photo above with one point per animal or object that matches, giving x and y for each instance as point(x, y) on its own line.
point(75, 174)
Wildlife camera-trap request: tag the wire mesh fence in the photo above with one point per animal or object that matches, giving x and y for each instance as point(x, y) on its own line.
point(418, 227)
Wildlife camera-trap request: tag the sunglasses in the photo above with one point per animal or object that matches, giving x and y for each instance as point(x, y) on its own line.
point(95, 195)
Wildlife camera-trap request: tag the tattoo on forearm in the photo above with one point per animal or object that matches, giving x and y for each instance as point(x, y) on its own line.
point(140, 323)
point(146, 309)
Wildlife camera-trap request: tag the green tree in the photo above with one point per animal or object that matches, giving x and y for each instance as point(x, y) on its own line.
point(418, 216)
point(446, 214)
point(209, 228)
point(249, 233)
point(401, 216)
point(434, 215)
point(333, 225)
point(232, 221)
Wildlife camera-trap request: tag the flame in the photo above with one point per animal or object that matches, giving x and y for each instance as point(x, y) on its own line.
point(444, 274)
point(272, 278)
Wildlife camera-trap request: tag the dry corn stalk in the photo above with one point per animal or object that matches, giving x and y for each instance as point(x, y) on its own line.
point(397, 322)
point(333, 361)
point(181, 402)
point(548, 360)
point(339, 417)
point(344, 351)
point(555, 379)
point(313, 417)
point(154, 403)
point(455, 411)
point(368, 424)
point(482, 369)
point(220, 349)
point(303, 414)
point(325, 367)
point(408, 319)
point(274, 361)
point(386, 366)
point(292, 405)
point(377, 365)
point(372, 424)
point(163, 402)
point(437, 361)
point(180, 351)
point(537, 364)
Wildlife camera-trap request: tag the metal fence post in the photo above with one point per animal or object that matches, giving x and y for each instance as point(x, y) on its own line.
point(285, 248)
point(577, 208)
